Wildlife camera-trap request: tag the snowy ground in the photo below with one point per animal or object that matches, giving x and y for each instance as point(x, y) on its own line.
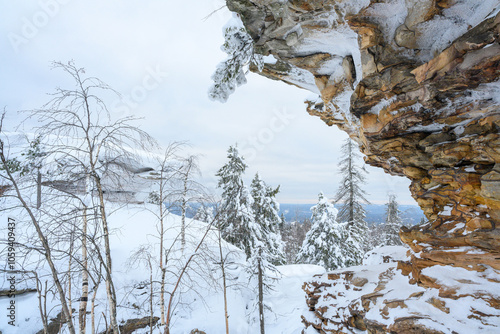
point(201, 303)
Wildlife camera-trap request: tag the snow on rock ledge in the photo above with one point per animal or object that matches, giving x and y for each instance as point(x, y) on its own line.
point(416, 84)
point(378, 298)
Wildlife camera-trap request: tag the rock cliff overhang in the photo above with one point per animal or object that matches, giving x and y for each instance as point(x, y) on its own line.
point(415, 83)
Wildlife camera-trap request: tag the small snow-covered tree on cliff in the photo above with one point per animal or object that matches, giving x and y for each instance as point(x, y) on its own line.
point(266, 213)
point(324, 242)
point(352, 197)
point(393, 222)
point(231, 73)
point(238, 224)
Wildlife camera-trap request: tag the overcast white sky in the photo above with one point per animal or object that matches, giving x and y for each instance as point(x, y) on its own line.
point(160, 55)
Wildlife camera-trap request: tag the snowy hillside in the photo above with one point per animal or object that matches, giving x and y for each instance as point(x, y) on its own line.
point(199, 303)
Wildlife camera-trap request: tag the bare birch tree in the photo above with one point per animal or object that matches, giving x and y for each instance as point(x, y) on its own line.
point(88, 145)
point(164, 180)
point(190, 190)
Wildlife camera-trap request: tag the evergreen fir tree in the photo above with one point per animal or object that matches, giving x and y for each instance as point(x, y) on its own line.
point(205, 213)
point(237, 225)
point(375, 235)
point(251, 222)
point(282, 224)
point(324, 243)
point(393, 222)
point(293, 235)
point(266, 213)
point(352, 197)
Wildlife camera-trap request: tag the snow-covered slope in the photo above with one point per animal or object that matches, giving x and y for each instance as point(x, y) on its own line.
point(199, 302)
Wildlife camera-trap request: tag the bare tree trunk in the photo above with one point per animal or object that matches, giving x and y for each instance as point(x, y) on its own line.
point(261, 293)
point(222, 265)
point(70, 262)
point(82, 311)
point(162, 265)
point(45, 315)
point(110, 288)
point(92, 306)
point(39, 190)
point(40, 307)
point(190, 165)
point(162, 296)
point(183, 207)
point(183, 223)
point(151, 297)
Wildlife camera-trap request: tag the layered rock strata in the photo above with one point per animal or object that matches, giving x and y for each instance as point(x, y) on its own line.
point(415, 83)
point(378, 298)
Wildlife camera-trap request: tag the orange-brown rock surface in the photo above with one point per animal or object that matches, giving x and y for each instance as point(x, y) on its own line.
point(415, 83)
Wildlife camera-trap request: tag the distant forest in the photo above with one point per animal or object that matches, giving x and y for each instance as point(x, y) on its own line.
point(375, 213)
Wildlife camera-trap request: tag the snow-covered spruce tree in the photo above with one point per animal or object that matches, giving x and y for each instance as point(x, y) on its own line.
point(205, 213)
point(237, 222)
point(266, 213)
point(325, 241)
point(293, 235)
point(375, 234)
point(231, 72)
point(269, 251)
point(239, 226)
point(393, 222)
point(352, 197)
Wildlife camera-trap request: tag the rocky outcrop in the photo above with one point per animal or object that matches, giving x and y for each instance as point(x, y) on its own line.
point(3, 190)
point(378, 298)
point(415, 83)
point(133, 325)
point(8, 293)
point(54, 325)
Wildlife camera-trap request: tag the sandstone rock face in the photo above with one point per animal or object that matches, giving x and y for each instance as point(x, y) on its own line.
point(415, 83)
